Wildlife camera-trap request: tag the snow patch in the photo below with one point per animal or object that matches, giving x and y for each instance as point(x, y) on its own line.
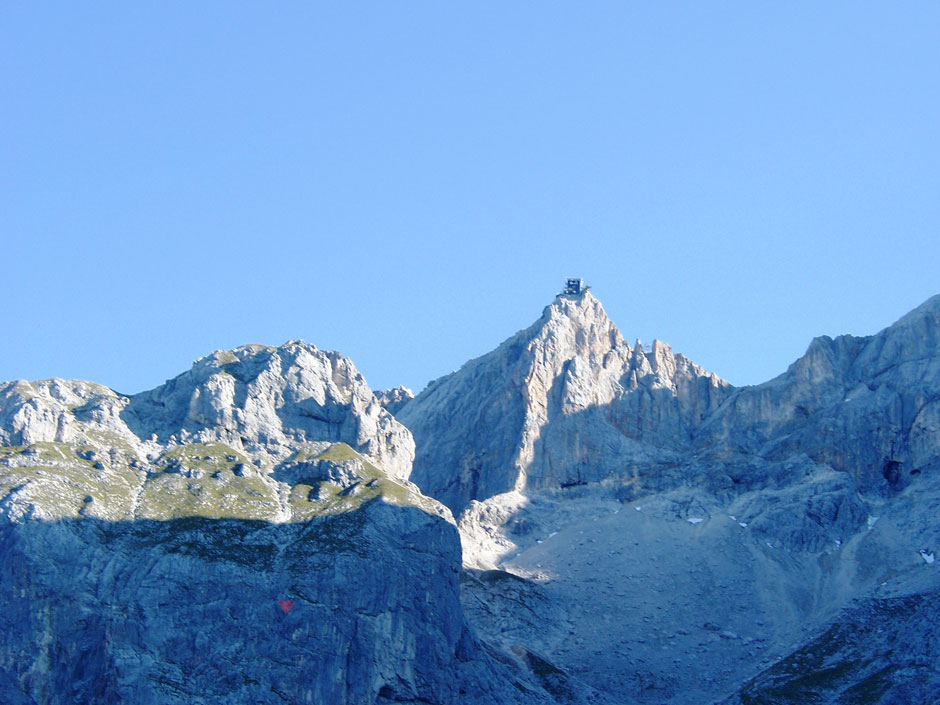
point(928, 557)
point(695, 520)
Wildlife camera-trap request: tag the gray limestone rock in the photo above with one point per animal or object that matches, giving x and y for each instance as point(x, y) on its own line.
point(865, 406)
point(394, 400)
point(787, 500)
point(880, 652)
point(358, 606)
point(259, 401)
point(640, 531)
point(266, 401)
point(563, 402)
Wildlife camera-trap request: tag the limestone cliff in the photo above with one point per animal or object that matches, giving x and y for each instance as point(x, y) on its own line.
point(868, 406)
point(562, 402)
point(260, 401)
point(641, 531)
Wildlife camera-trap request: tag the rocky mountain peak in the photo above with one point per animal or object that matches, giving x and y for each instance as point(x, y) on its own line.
point(265, 400)
point(394, 400)
point(264, 483)
point(270, 483)
point(221, 427)
point(580, 323)
point(547, 401)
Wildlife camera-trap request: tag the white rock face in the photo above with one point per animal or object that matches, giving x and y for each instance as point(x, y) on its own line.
point(562, 402)
point(394, 400)
point(265, 401)
point(260, 401)
point(623, 513)
point(244, 532)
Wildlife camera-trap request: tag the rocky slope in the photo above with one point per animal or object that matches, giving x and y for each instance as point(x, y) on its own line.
point(882, 651)
point(245, 533)
point(563, 402)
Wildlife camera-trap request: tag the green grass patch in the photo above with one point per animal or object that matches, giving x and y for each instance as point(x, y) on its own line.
point(198, 480)
point(57, 481)
point(217, 496)
point(202, 456)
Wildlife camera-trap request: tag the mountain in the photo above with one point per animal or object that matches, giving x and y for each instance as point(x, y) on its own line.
point(567, 518)
point(673, 538)
point(565, 401)
point(244, 533)
point(866, 406)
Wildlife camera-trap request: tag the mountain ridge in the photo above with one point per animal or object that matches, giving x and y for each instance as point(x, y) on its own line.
point(632, 528)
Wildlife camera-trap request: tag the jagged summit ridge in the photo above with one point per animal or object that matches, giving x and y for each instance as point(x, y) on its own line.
point(249, 433)
point(565, 400)
point(691, 513)
point(259, 400)
point(867, 405)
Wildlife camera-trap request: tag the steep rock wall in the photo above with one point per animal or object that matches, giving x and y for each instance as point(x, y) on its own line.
point(564, 401)
point(869, 406)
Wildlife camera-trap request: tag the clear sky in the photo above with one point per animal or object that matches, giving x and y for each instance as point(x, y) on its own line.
point(410, 183)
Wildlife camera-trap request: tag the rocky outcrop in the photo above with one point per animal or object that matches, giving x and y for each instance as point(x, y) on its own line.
point(394, 400)
point(352, 608)
point(869, 407)
point(563, 402)
point(263, 402)
point(250, 532)
point(690, 535)
point(880, 652)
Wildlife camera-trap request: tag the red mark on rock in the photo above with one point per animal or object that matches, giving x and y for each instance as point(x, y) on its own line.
point(285, 605)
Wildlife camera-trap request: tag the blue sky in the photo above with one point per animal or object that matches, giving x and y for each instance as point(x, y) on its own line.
point(410, 183)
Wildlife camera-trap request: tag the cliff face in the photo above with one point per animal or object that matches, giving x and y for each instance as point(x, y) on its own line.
point(869, 407)
point(248, 532)
point(187, 610)
point(243, 534)
point(564, 401)
point(260, 401)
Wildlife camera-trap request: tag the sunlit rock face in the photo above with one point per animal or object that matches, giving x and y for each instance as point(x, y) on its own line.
point(564, 401)
point(394, 400)
point(262, 402)
point(245, 533)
